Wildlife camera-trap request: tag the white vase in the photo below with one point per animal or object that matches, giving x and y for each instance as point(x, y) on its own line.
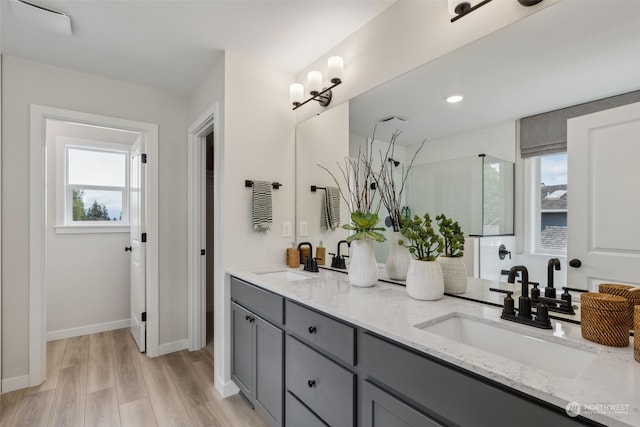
point(454, 273)
point(399, 258)
point(363, 268)
point(424, 280)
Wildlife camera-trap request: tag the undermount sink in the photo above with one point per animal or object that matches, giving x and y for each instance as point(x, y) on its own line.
point(289, 276)
point(550, 356)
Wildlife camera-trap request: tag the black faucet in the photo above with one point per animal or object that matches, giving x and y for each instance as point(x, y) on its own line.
point(550, 291)
point(338, 260)
point(311, 264)
point(541, 320)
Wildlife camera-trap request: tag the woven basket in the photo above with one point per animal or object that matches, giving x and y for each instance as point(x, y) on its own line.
point(604, 319)
point(636, 341)
point(633, 298)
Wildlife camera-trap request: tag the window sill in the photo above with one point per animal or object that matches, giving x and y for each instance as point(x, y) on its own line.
point(91, 229)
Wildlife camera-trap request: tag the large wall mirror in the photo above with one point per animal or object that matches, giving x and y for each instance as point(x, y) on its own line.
point(564, 55)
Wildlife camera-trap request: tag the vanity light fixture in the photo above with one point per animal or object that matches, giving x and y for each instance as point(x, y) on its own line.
point(335, 67)
point(454, 99)
point(460, 8)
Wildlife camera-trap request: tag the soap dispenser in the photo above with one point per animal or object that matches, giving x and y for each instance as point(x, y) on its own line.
point(320, 254)
point(293, 256)
point(306, 251)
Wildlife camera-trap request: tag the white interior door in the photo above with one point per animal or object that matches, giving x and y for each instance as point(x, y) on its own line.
point(604, 198)
point(138, 275)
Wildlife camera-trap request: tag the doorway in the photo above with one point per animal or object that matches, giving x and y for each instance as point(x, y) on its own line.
point(47, 221)
point(209, 239)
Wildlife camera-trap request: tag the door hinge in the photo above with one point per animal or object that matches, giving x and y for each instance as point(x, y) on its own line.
point(203, 252)
point(144, 316)
point(143, 158)
point(144, 237)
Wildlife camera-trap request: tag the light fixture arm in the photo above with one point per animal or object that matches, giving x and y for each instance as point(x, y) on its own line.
point(324, 97)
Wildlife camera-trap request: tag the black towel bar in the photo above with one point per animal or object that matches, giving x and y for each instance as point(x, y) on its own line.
point(248, 183)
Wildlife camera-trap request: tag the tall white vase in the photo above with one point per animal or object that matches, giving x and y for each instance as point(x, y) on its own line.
point(454, 273)
point(424, 280)
point(363, 268)
point(399, 258)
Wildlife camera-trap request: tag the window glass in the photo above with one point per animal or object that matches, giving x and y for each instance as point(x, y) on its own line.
point(94, 167)
point(553, 203)
point(97, 205)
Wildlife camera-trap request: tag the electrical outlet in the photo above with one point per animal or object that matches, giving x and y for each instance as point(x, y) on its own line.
point(304, 229)
point(286, 229)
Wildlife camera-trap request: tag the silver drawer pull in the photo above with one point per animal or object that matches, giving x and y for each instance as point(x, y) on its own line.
point(311, 383)
point(312, 329)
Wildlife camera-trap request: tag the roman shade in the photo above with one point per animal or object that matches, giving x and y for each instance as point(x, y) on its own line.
point(546, 133)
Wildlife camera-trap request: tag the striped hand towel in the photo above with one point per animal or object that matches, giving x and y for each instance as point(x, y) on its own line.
point(262, 206)
point(330, 214)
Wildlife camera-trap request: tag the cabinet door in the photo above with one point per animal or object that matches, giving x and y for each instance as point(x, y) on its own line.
point(380, 409)
point(242, 349)
point(269, 356)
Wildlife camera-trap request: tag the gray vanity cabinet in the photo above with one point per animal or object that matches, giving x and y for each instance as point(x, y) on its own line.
point(257, 350)
point(449, 395)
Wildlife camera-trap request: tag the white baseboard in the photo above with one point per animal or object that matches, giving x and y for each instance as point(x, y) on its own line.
point(88, 329)
point(172, 347)
point(226, 389)
point(15, 383)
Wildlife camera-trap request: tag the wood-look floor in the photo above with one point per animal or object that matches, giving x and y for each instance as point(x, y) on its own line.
point(103, 380)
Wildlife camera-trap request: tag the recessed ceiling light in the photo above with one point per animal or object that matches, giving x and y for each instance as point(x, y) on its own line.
point(454, 99)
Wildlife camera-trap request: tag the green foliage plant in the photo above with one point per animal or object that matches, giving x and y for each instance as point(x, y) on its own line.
point(452, 235)
point(422, 240)
point(364, 226)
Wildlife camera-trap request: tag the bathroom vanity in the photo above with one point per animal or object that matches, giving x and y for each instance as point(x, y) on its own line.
point(318, 351)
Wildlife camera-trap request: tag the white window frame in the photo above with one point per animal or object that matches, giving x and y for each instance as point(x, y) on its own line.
point(532, 212)
point(64, 222)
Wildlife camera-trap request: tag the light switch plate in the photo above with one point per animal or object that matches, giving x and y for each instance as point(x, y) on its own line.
point(286, 229)
point(304, 229)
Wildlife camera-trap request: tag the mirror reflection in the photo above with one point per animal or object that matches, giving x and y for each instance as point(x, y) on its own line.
point(585, 52)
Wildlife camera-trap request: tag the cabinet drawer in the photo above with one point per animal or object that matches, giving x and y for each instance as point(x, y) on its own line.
point(299, 415)
point(453, 395)
point(324, 386)
point(380, 409)
point(268, 305)
point(330, 335)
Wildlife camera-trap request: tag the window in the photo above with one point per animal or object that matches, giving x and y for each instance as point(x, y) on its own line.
point(548, 184)
point(94, 186)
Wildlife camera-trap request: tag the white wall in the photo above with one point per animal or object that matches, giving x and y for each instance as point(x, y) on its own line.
point(25, 83)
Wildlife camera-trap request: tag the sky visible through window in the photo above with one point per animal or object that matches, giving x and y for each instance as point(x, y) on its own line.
point(553, 169)
point(103, 168)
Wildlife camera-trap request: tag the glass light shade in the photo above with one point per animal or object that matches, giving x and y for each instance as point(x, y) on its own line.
point(335, 67)
point(314, 82)
point(296, 93)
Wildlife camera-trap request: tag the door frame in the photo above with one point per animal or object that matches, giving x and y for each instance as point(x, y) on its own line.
point(37, 227)
point(196, 225)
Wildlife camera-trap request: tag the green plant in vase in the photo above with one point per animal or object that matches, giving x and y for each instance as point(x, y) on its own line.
point(364, 226)
point(424, 278)
point(421, 239)
point(453, 269)
point(452, 235)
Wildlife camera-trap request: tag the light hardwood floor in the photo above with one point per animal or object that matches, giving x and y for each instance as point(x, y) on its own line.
point(103, 380)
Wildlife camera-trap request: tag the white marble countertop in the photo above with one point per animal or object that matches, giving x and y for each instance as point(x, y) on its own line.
point(608, 389)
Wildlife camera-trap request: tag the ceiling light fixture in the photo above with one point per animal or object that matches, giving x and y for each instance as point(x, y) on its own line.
point(335, 67)
point(42, 17)
point(460, 8)
point(454, 99)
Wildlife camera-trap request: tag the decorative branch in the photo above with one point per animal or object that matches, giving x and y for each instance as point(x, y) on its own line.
point(385, 180)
